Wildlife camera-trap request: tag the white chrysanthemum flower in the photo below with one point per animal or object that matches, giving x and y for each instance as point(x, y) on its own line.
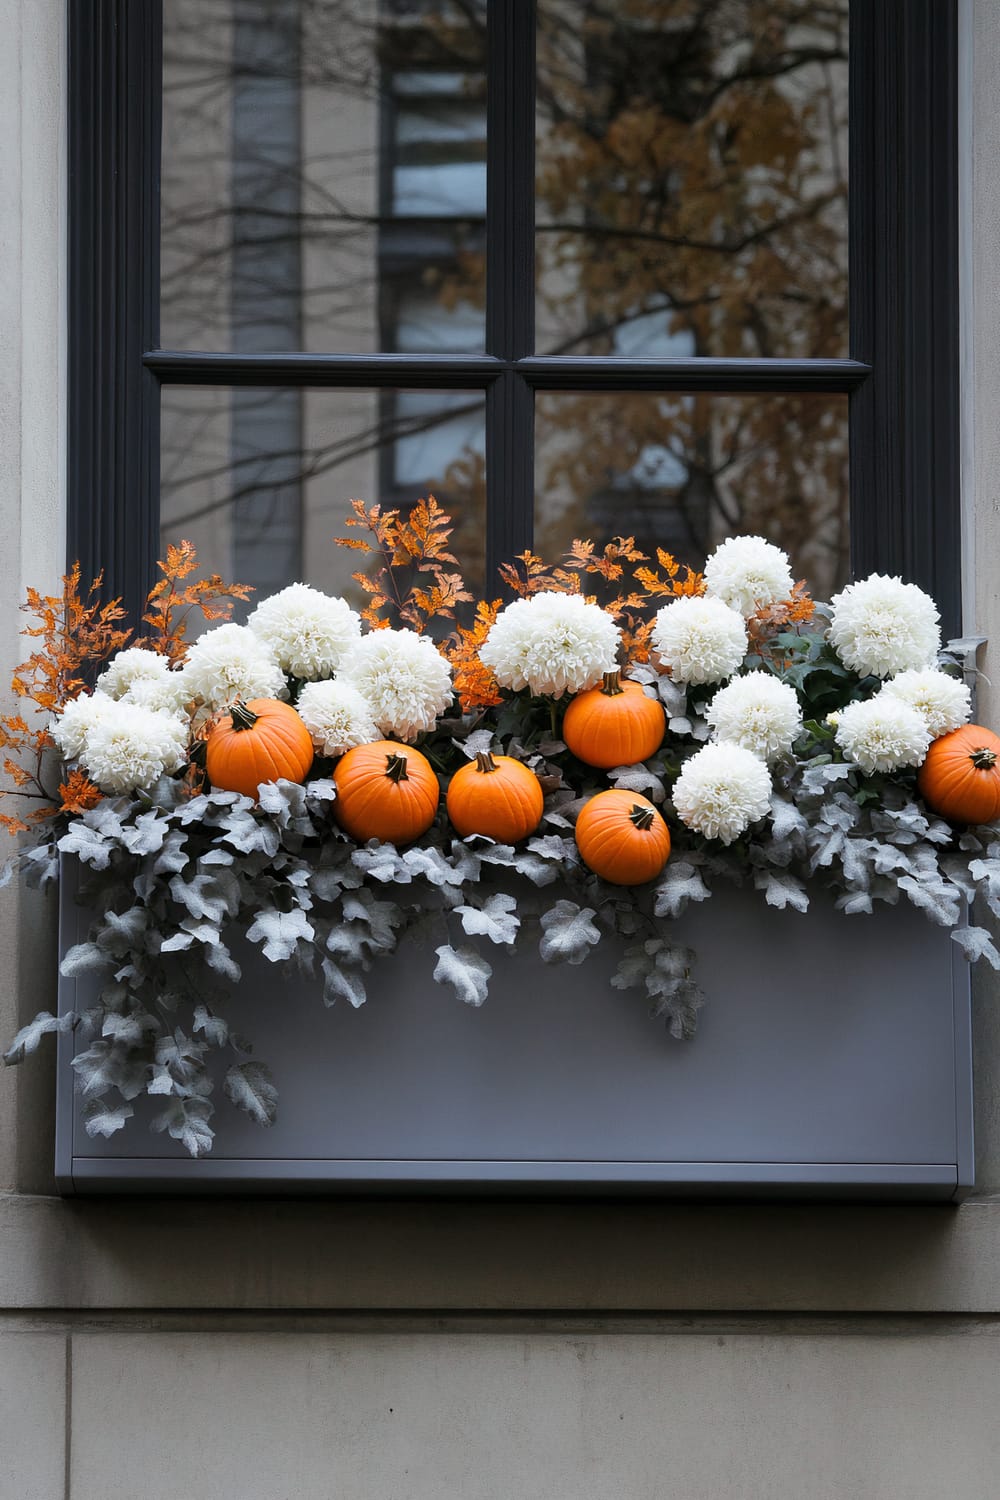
point(882, 734)
point(71, 728)
point(404, 678)
point(227, 663)
point(131, 666)
point(721, 790)
point(759, 712)
point(699, 639)
point(308, 633)
point(882, 626)
point(337, 716)
point(167, 696)
point(131, 747)
point(551, 643)
point(944, 702)
point(747, 572)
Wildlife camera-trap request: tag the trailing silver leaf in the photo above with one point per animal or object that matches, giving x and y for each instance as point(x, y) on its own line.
point(29, 1036)
point(976, 943)
point(466, 971)
point(568, 933)
point(341, 983)
point(279, 932)
point(101, 1118)
point(495, 919)
point(680, 883)
point(781, 889)
point(250, 1087)
point(186, 1120)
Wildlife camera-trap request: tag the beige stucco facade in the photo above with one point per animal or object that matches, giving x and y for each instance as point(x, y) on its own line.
point(458, 1352)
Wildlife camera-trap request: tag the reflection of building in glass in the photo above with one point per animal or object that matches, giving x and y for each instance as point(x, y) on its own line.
point(324, 188)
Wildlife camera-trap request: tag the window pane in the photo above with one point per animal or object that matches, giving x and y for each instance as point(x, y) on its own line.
point(692, 177)
point(323, 175)
point(261, 480)
point(682, 472)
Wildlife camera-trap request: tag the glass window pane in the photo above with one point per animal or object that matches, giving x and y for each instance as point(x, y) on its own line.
point(261, 480)
point(692, 177)
point(684, 471)
point(323, 169)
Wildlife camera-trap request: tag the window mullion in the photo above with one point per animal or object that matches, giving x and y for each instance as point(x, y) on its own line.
point(510, 275)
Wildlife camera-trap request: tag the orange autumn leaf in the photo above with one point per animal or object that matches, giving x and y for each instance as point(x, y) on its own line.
point(168, 606)
point(78, 793)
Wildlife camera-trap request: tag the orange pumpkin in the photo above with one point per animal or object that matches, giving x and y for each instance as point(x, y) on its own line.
point(614, 724)
point(622, 838)
point(960, 778)
point(254, 742)
point(385, 791)
point(496, 796)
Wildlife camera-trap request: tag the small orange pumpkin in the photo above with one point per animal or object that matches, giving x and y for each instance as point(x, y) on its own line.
point(497, 796)
point(960, 778)
point(622, 838)
point(614, 724)
point(254, 742)
point(385, 791)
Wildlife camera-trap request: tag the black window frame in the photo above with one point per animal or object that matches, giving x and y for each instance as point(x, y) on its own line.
point(902, 377)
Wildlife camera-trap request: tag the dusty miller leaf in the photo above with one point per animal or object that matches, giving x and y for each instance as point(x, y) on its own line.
point(250, 1087)
point(341, 983)
point(29, 1036)
point(568, 933)
point(280, 931)
point(976, 943)
point(466, 971)
point(101, 1118)
point(681, 883)
point(781, 889)
point(495, 919)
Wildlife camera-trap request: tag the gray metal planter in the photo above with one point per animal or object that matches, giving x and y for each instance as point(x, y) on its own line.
point(833, 1059)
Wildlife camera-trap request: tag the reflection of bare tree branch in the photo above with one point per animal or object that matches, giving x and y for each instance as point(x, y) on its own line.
point(320, 461)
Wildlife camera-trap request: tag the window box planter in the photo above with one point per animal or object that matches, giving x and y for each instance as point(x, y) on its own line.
point(833, 1059)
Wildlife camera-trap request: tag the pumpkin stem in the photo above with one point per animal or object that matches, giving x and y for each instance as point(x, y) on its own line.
point(241, 716)
point(485, 761)
point(983, 759)
point(395, 768)
point(612, 686)
point(641, 817)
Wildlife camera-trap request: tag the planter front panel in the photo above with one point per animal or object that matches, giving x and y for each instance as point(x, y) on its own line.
point(832, 1057)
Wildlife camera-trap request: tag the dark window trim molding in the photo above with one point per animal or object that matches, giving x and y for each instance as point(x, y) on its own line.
point(902, 378)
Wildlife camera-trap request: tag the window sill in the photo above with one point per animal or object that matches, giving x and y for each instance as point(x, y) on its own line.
point(502, 1257)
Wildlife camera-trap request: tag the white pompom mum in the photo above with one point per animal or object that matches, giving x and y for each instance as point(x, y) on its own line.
point(307, 632)
point(759, 712)
point(79, 716)
point(747, 572)
point(699, 639)
point(944, 702)
point(230, 663)
point(129, 667)
point(882, 626)
point(721, 790)
point(551, 643)
point(882, 734)
point(404, 678)
point(130, 747)
point(337, 716)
